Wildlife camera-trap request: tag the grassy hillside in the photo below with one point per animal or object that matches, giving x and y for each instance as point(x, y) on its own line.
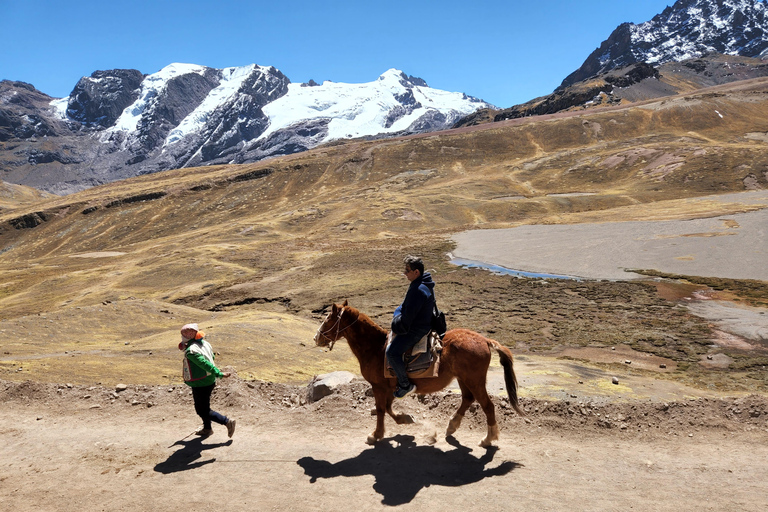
point(14, 196)
point(290, 235)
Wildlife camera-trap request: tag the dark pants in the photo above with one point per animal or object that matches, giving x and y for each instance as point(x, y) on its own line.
point(401, 344)
point(202, 396)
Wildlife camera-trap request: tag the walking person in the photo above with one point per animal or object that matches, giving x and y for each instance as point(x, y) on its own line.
point(411, 321)
point(200, 374)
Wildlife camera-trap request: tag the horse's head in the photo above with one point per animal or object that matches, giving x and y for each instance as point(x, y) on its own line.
point(330, 331)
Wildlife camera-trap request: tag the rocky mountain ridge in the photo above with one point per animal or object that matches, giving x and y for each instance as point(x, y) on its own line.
point(691, 44)
point(688, 29)
point(121, 123)
point(638, 82)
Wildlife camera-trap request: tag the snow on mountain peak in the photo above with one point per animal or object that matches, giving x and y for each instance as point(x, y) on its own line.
point(692, 28)
point(191, 115)
point(364, 109)
point(231, 81)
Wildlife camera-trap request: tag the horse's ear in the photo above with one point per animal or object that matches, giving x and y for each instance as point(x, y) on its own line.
point(334, 308)
point(346, 303)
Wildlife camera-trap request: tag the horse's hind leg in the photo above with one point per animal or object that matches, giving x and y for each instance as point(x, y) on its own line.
point(466, 400)
point(490, 415)
point(469, 395)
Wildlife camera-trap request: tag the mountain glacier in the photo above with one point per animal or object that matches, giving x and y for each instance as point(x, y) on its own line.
point(256, 111)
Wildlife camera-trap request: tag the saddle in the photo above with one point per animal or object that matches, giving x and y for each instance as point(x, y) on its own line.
point(422, 361)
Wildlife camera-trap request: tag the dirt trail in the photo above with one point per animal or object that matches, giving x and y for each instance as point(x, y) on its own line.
point(92, 448)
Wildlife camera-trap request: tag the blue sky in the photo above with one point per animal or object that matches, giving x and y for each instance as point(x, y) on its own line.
point(505, 52)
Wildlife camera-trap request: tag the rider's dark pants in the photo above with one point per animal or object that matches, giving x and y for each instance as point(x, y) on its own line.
point(401, 343)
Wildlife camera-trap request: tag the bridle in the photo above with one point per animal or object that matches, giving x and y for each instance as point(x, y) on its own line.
point(339, 330)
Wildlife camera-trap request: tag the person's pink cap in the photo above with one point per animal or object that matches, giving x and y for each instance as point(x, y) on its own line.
point(191, 332)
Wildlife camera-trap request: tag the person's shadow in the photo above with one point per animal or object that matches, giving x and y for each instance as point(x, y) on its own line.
point(401, 471)
point(187, 456)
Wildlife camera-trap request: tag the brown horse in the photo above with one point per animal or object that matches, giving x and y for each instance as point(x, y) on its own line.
point(466, 356)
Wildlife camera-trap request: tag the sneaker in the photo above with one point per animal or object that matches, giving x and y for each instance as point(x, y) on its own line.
point(231, 428)
point(404, 392)
point(204, 432)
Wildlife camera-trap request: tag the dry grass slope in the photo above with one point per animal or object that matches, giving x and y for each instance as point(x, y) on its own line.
point(130, 261)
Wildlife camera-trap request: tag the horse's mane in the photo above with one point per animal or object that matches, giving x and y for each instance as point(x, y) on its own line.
point(364, 319)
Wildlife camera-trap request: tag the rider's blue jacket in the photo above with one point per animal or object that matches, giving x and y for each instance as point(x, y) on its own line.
point(414, 315)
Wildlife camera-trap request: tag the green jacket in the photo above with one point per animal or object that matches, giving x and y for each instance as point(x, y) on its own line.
point(198, 366)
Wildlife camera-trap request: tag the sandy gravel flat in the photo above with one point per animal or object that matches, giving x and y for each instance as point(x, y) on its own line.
point(74, 449)
point(727, 246)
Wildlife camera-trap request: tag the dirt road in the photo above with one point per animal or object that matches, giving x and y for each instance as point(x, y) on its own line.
point(93, 448)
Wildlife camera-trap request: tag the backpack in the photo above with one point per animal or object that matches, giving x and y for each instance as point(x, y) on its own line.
point(438, 321)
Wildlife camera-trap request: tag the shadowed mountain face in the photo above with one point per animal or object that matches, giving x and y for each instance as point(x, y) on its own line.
point(99, 100)
point(121, 123)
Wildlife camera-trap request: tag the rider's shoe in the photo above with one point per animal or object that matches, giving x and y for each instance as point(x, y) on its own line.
point(404, 392)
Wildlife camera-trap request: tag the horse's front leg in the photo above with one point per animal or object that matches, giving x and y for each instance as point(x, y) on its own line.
point(382, 406)
point(401, 418)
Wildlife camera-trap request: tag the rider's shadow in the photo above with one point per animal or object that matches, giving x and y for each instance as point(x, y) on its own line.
point(401, 471)
point(187, 456)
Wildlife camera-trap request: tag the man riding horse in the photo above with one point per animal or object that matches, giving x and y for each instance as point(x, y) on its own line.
point(411, 321)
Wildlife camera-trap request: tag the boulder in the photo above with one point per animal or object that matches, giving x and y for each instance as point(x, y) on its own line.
point(324, 385)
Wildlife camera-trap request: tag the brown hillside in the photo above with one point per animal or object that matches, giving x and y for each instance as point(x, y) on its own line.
point(14, 196)
point(123, 263)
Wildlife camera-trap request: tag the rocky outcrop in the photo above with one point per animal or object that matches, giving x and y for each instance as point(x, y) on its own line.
point(234, 123)
point(98, 100)
point(599, 90)
point(173, 103)
point(22, 112)
point(294, 139)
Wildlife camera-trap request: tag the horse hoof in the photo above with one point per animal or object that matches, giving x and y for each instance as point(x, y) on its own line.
point(486, 443)
point(372, 440)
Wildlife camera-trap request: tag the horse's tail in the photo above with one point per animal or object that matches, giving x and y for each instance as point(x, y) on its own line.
point(509, 374)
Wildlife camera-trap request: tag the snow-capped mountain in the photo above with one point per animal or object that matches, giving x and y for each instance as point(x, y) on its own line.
point(121, 123)
point(688, 29)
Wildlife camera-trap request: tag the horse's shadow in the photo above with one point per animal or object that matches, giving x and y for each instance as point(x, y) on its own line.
point(187, 456)
point(401, 471)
